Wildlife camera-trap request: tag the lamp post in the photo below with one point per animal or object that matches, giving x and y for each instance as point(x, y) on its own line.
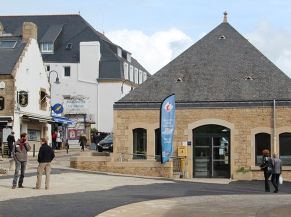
point(56, 82)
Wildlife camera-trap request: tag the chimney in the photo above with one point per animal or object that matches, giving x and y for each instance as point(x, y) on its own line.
point(29, 30)
point(1, 29)
point(225, 17)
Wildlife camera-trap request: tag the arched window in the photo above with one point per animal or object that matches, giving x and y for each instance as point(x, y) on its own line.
point(285, 148)
point(158, 144)
point(139, 143)
point(263, 141)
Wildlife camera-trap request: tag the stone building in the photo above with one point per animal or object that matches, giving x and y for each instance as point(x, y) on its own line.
point(231, 103)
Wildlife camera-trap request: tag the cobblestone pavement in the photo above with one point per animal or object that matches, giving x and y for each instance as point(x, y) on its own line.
point(82, 193)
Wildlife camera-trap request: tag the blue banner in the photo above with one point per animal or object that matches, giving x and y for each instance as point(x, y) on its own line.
point(167, 122)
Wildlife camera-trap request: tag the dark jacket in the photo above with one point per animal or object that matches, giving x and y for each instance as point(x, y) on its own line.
point(18, 153)
point(10, 140)
point(45, 154)
point(267, 165)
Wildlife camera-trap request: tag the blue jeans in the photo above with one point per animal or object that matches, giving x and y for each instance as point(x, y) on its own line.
point(19, 166)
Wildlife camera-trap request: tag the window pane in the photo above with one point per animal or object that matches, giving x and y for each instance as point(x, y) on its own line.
point(139, 143)
point(33, 135)
point(67, 71)
point(285, 148)
point(263, 141)
point(158, 144)
point(7, 44)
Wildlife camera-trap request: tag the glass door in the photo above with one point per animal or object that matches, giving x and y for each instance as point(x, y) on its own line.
point(220, 157)
point(202, 157)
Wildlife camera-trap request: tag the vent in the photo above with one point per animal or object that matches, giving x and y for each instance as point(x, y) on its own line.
point(69, 46)
point(248, 78)
point(179, 80)
point(222, 37)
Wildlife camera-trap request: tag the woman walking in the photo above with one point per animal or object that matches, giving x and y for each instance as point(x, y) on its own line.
point(266, 166)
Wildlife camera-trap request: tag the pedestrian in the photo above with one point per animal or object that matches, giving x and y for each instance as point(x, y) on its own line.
point(59, 140)
point(10, 141)
point(54, 139)
point(277, 170)
point(45, 156)
point(67, 146)
point(19, 153)
point(266, 166)
point(82, 141)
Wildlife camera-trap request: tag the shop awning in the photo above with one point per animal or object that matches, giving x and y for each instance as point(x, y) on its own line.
point(63, 120)
point(33, 117)
point(6, 119)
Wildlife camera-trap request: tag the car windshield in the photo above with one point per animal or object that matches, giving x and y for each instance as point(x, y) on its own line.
point(108, 138)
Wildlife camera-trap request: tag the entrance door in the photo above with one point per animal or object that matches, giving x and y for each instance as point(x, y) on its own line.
point(211, 152)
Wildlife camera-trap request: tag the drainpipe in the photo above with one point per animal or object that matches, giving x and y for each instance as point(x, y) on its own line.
point(274, 127)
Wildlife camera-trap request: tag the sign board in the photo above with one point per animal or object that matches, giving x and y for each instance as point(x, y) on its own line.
point(23, 98)
point(182, 151)
point(76, 106)
point(58, 108)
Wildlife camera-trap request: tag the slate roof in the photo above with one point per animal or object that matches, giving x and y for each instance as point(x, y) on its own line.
point(221, 67)
point(9, 56)
point(74, 29)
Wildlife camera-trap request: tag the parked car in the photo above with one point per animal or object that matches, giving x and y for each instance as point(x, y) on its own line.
point(106, 144)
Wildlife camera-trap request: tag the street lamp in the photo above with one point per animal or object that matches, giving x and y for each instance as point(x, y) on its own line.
point(57, 81)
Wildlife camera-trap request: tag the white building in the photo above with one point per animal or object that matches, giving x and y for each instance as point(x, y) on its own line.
point(93, 72)
point(25, 86)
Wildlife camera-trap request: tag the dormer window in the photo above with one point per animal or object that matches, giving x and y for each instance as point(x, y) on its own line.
point(7, 43)
point(128, 57)
point(69, 46)
point(119, 52)
point(47, 48)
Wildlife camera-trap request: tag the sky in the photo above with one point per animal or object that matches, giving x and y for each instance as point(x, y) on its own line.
point(156, 31)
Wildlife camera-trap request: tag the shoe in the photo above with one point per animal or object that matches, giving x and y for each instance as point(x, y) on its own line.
point(267, 190)
point(276, 191)
point(13, 187)
point(36, 188)
point(20, 186)
point(46, 188)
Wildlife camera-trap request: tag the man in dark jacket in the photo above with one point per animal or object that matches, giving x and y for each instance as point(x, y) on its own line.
point(10, 141)
point(45, 156)
point(19, 153)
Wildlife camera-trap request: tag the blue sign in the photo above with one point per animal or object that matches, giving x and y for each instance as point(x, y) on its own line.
point(168, 109)
point(58, 108)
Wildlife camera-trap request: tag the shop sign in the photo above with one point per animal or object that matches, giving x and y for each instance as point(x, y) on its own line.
point(23, 98)
point(76, 106)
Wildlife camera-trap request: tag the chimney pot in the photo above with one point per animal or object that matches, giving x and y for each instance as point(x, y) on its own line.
point(225, 17)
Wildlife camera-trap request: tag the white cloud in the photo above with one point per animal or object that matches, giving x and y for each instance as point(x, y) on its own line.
point(275, 44)
point(152, 51)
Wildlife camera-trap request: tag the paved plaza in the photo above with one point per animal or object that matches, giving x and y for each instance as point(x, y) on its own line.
point(84, 193)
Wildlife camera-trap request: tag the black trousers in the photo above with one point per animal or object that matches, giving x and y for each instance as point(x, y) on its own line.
point(275, 181)
point(267, 184)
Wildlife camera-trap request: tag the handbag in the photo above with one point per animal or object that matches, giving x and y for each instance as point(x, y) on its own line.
point(280, 179)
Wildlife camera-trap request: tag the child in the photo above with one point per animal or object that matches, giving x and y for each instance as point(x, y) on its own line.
point(67, 146)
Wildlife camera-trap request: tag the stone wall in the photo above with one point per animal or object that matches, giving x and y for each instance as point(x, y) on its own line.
point(8, 94)
point(140, 168)
point(243, 122)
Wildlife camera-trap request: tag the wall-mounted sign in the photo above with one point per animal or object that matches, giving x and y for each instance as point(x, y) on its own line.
point(2, 85)
point(2, 103)
point(23, 98)
point(76, 106)
point(58, 108)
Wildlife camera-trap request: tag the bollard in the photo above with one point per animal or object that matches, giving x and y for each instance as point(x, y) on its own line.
point(33, 150)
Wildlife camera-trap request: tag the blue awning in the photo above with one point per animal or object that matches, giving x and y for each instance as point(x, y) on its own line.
point(63, 120)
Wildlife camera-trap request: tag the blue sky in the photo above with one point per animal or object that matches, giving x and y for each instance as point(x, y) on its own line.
point(156, 31)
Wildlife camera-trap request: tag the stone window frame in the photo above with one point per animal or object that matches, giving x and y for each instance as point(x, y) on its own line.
point(139, 157)
point(257, 163)
point(279, 148)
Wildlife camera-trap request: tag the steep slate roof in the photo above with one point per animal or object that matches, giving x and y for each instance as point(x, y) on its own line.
point(74, 29)
point(221, 67)
point(9, 56)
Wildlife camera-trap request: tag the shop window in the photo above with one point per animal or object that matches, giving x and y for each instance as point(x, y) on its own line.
point(43, 100)
point(158, 144)
point(285, 148)
point(263, 141)
point(33, 135)
point(139, 143)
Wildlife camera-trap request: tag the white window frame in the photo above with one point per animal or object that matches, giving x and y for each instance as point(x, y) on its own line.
point(136, 75)
point(145, 76)
point(125, 71)
point(128, 57)
point(47, 48)
point(131, 73)
point(140, 76)
point(119, 52)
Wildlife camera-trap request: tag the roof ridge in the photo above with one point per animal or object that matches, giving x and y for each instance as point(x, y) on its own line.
point(40, 15)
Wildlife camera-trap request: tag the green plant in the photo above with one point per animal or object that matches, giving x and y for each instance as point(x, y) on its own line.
point(243, 170)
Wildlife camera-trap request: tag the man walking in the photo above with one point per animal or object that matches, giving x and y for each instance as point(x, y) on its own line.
point(45, 156)
point(276, 172)
point(10, 141)
point(19, 153)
